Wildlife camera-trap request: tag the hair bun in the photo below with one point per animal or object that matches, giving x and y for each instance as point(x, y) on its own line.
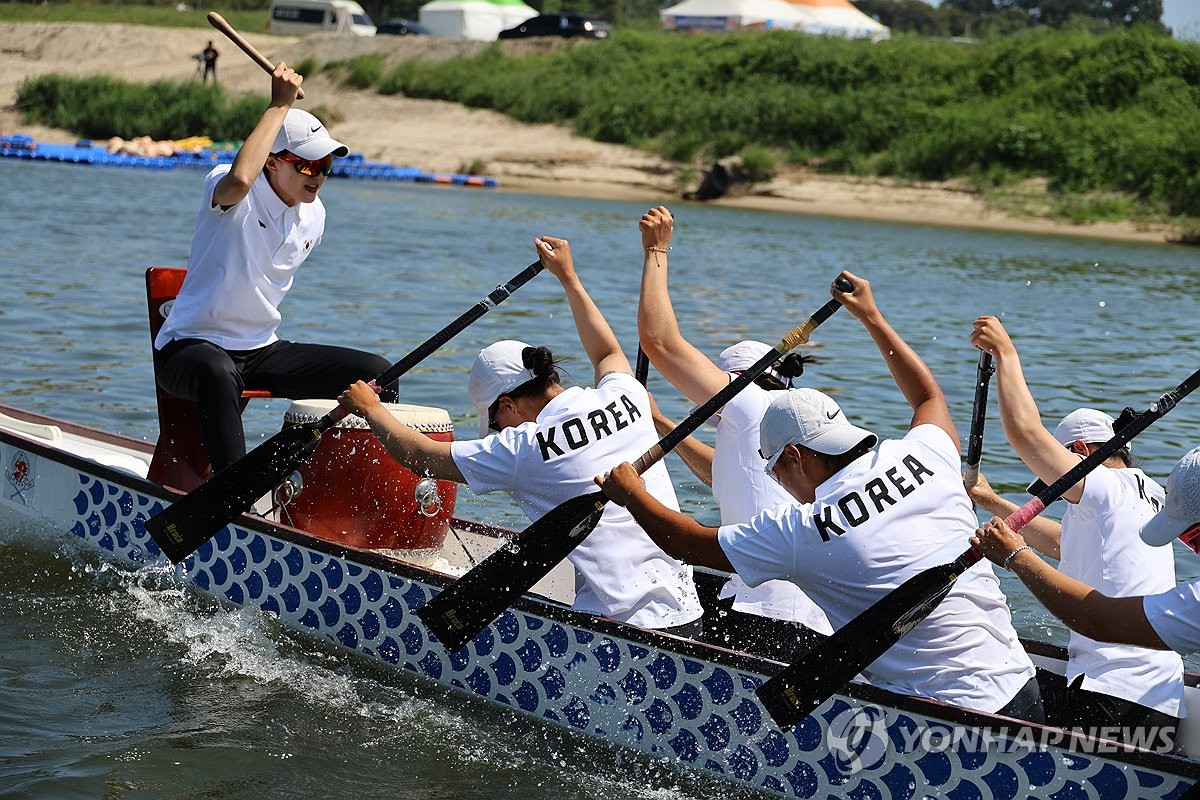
point(538, 360)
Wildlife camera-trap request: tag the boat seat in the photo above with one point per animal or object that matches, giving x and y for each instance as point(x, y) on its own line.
point(180, 459)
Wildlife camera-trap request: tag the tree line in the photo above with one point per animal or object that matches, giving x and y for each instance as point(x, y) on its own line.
point(978, 18)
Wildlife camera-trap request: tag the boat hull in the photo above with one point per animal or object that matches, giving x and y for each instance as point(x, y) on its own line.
point(653, 693)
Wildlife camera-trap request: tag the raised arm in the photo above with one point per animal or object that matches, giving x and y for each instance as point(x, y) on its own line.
point(1023, 427)
point(252, 155)
point(1044, 535)
point(597, 338)
point(1121, 620)
point(688, 369)
point(411, 448)
point(913, 378)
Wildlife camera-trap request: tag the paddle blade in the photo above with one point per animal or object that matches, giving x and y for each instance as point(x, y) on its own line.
point(197, 516)
point(467, 606)
point(800, 688)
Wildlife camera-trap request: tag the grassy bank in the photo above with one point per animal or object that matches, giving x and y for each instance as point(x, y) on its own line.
point(1103, 126)
point(1091, 114)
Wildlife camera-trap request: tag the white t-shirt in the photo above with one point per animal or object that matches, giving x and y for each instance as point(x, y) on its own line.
point(1175, 616)
point(582, 433)
point(240, 267)
point(879, 521)
point(742, 488)
point(1101, 547)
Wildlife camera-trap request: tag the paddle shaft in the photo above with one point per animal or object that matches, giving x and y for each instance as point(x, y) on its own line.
point(497, 296)
point(464, 608)
point(794, 339)
point(983, 378)
point(641, 367)
point(219, 22)
point(799, 689)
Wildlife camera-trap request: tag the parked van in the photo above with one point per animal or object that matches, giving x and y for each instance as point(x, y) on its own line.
point(298, 17)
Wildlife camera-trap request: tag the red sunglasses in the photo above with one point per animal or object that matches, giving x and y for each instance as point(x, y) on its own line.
point(322, 166)
point(1191, 537)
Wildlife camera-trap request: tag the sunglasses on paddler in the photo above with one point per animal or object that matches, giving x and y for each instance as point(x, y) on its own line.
point(305, 166)
point(1191, 538)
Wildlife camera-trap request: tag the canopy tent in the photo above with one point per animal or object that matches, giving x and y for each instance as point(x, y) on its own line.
point(838, 18)
point(479, 20)
point(729, 15)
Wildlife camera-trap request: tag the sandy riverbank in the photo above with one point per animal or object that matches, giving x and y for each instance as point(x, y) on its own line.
point(447, 137)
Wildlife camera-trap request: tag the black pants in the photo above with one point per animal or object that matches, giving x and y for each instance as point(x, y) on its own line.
point(1026, 704)
point(1108, 717)
point(781, 640)
point(214, 378)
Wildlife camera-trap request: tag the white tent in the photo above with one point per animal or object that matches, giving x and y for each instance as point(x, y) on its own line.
point(838, 18)
point(729, 15)
point(479, 20)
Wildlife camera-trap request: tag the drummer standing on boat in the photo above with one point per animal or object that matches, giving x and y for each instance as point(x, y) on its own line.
point(542, 444)
point(733, 468)
point(260, 220)
point(863, 522)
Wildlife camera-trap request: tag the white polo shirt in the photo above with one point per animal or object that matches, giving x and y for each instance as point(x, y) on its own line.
point(879, 521)
point(1175, 616)
point(241, 266)
point(1101, 547)
point(582, 433)
point(742, 488)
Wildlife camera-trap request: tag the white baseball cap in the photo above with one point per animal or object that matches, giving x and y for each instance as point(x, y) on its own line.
point(809, 418)
point(1084, 425)
point(497, 369)
point(305, 136)
point(1182, 509)
point(744, 355)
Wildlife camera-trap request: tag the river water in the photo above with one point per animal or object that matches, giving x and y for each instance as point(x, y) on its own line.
point(117, 684)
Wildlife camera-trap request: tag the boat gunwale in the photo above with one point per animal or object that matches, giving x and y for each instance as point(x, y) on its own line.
point(1179, 765)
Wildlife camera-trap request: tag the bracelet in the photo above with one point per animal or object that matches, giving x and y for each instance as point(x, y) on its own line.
point(657, 249)
point(1013, 554)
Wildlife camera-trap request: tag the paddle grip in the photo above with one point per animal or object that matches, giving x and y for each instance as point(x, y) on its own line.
point(218, 22)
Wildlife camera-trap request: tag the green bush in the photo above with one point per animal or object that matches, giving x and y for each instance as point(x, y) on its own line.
point(1088, 112)
point(101, 107)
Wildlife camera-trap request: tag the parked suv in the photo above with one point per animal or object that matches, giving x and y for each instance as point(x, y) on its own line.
point(564, 23)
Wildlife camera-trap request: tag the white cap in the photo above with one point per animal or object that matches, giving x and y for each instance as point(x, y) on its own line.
point(1084, 425)
point(304, 135)
point(1182, 509)
point(497, 369)
point(744, 355)
point(809, 418)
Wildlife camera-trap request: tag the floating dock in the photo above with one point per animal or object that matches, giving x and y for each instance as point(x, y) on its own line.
point(352, 166)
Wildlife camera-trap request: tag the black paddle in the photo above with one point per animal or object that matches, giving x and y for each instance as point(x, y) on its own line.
point(467, 606)
point(196, 517)
point(983, 377)
point(800, 688)
point(641, 367)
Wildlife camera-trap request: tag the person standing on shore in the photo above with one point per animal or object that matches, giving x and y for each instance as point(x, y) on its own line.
point(210, 62)
point(735, 470)
point(259, 221)
point(1109, 686)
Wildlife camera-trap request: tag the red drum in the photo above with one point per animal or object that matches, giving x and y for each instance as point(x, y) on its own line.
point(352, 492)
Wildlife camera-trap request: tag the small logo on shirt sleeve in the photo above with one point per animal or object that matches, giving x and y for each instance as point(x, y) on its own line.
point(262, 224)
